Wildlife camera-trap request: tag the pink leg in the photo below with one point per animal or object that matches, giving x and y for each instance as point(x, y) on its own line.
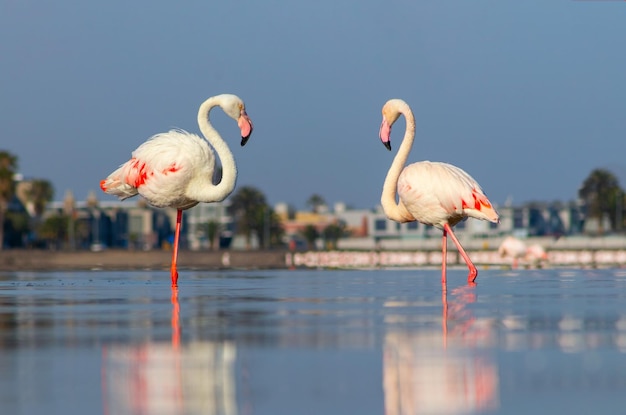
point(175, 319)
point(444, 257)
point(444, 317)
point(173, 270)
point(473, 272)
point(176, 396)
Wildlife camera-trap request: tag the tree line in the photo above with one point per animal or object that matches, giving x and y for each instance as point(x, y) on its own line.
point(17, 224)
point(601, 197)
point(27, 227)
point(600, 194)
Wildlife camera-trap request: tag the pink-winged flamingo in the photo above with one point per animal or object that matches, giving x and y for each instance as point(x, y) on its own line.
point(175, 169)
point(433, 193)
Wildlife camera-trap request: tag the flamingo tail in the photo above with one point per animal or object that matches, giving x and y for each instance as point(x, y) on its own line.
point(115, 186)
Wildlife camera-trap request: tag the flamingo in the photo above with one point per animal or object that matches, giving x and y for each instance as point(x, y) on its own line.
point(536, 254)
point(516, 249)
point(512, 248)
point(432, 193)
point(175, 169)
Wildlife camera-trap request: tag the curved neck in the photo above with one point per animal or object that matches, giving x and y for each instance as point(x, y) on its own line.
point(396, 210)
point(220, 191)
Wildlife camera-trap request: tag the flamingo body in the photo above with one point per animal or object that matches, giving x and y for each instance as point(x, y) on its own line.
point(437, 193)
point(536, 253)
point(175, 169)
point(433, 193)
point(163, 168)
point(512, 248)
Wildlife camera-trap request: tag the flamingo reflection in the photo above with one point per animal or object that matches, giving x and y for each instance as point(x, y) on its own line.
point(440, 372)
point(168, 377)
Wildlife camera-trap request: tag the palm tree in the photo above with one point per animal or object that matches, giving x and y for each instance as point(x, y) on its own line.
point(39, 194)
point(212, 229)
point(310, 234)
point(332, 233)
point(248, 206)
point(272, 228)
point(54, 230)
point(600, 193)
point(8, 167)
point(16, 228)
point(315, 202)
point(254, 216)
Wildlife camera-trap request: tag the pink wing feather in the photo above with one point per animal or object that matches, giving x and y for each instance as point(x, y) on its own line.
point(161, 168)
point(437, 193)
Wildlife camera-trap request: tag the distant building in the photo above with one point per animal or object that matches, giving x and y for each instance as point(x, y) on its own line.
point(370, 228)
point(133, 224)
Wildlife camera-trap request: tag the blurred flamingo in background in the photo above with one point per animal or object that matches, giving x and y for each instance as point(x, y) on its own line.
point(512, 248)
point(175, 169)
point(535, 254)
point(433, 193)
point(516, 250)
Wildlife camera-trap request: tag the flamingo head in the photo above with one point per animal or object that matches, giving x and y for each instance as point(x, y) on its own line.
point(234, 107)
point(391, 114)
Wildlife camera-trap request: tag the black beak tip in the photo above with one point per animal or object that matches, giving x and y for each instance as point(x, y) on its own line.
point(244, 140)
point(388, 145)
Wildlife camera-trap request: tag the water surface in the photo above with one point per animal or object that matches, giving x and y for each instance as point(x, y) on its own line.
point(313, 342)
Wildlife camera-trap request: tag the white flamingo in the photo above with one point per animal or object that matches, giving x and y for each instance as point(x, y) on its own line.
point(536, 254)
point(516, 250)
point(175, 169)
point(512, 248)
point(433, 193)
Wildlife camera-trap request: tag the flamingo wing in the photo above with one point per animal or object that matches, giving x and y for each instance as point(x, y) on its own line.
point(438, 193)
point(161, 168)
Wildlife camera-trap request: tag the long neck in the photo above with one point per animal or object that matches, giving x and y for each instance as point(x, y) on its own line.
point(396, 210)
point(220, 191)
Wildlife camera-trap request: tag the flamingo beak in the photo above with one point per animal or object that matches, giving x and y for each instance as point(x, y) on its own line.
point(385, 134)
point(246, 127)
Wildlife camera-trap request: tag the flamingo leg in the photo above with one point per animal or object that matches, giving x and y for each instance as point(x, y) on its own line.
point(473, 272)
point(173, 270)
point(177, 355)
point(175, 319)
point(444, 317)
point(444, 257)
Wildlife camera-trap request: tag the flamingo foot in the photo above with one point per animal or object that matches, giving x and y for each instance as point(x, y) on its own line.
point(174, 273)
point(473, 273)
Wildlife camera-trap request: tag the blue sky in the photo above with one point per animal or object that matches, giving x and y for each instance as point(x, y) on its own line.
point(527, 96)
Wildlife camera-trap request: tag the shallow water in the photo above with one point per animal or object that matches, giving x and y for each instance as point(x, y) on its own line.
point(313, 342)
